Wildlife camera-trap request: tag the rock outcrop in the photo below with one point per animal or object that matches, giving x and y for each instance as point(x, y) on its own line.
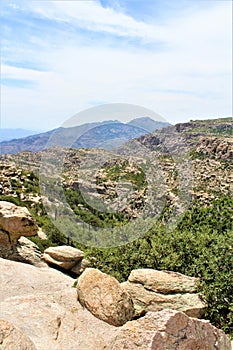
point(104, 297)
point(64, 257)
point(28, 252)
point(43, 304)
point(153, 290)
point(170, 330)
point(15, 222)
point(12, 338)
point(216, 148)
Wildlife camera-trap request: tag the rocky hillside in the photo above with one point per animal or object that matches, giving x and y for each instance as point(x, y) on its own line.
point(187, 158)
point(180, 174)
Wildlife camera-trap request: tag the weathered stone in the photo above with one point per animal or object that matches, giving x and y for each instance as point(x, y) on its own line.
point(14, 222)
point(80, 267)
point(170, 330)
point(145, 300)
point(165, 282)
point(43, 304)
point(12, 338)
point(104, 297)
point(63, 256)
point(28, 252)
point(153, 290)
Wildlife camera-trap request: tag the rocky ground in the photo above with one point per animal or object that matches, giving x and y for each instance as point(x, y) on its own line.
point(41, 304)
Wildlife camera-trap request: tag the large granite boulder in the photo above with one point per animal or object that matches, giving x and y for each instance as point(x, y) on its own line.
point(64, 257)
point(12, 338)
point(153, 290)
point(104, 297)
point(15, 222)
point(42, 302)
point(170, 330)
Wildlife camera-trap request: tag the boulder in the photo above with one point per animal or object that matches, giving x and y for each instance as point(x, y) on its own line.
point(153, 290)
point(28, 252)
point(15, 222)
point(42, 302)
point(170, 329)
point(12, 338)
point(65, 257)
point(104, 297)
point(165, 282)
point(80, 266)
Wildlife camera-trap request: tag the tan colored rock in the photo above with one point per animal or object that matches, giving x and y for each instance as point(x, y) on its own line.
point(42, 302)
point(170, 330)
point(104, 297)
point(145, 300)
point(28, 252)
point(80, 267)
point(65, 257)
point(12, 338)
point(153, 290)
point(15, 222)
point(165, 282)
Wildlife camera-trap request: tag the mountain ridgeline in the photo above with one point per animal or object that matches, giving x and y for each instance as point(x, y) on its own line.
point(106, 135)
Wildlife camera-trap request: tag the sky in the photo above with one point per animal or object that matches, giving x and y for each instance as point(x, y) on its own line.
point(59, 58)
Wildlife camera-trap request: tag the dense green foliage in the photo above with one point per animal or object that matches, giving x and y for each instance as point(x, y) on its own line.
point(201, 245)
point(89, 214)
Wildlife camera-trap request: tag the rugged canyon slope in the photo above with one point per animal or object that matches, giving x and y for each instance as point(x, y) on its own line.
point(182, 172)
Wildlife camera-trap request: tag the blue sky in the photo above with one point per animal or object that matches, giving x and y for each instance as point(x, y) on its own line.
point(61, 57)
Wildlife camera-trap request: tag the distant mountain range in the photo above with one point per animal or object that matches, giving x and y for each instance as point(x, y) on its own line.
point(106, 135)
point(9, 134)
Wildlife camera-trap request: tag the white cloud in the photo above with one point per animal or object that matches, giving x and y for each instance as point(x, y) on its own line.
point(191, 78)
point(92, 16)
point(11, 72)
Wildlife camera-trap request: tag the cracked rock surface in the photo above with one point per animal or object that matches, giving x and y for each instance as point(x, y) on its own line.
point(170, 330)
point(153, 290)
point(12, 338)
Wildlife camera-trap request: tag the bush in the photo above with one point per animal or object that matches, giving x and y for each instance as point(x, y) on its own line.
point(201, 246)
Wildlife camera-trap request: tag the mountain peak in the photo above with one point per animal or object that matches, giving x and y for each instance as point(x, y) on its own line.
point(148, 124)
